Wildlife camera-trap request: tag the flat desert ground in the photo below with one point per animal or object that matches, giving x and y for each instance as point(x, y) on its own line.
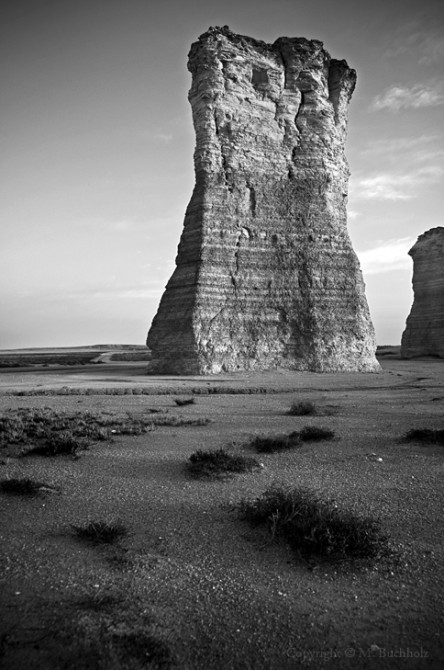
point(194, 587)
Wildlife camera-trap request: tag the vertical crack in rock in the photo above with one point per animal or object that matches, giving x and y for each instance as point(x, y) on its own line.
point(265, 275)
point(252, 200)
point(424, 332)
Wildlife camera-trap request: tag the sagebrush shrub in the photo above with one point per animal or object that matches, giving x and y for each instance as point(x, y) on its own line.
point(218, 463)
point(426, 435)
point(302, 408)
point(315, 434)
point(21, 486)
point(101, 532)
point(314, 526)
point(270, 444)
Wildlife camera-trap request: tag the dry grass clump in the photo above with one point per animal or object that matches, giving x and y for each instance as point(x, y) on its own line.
point(424, 435)
point(302, 408)
point(273, 443)
point(308, 408)
point(59, 444)
point(82, 391)
point(270, 444)
point(316, 434)
point(101, 532)
point(181, 402)
point(180, 421)
point(23, 486)
point(219, 463)
point(46, 432)
point(313, 526)
point(49, 433)
point(137, 390)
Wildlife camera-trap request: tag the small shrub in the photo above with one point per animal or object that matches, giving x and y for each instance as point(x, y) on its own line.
point(313, 526)
point(425, 435)
point(219, 463)
point(101, 532)
point(302, 408)
point(62, 444)
point(268, 445)
point(24, 486)
point(315, 434)
point(177, 421)
point(181, 402)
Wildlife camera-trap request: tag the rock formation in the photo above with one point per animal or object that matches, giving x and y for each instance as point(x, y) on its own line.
point(266, 275)
point(424, 332)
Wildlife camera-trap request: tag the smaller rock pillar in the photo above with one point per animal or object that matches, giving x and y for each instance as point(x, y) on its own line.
point(424, 332)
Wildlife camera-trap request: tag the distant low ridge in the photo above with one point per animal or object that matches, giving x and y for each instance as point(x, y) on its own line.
point(80, 347)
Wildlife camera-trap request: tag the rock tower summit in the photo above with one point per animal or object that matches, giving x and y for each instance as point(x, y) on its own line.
point(265, 275)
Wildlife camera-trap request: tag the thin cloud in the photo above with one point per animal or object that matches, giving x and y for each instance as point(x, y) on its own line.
point(112, 225)
point(432, 47)
point(127, 294)
point(160, 136)
point(418, 39)
point(95, 294)
point(397, 186)
point(417, 96)
point(164, 137)
point(383, 187)
point(149, 289)
point(394, 147)
point(122, 225)
point(387, 256)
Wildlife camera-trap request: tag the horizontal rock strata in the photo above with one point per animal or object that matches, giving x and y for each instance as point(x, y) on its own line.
point(424, 333)
point(266, 276)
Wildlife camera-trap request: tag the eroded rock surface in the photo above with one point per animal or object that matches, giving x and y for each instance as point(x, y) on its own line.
point(424, 333)
point(266, 275)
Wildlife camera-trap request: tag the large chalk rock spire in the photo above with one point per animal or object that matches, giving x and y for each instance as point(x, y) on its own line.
point(424, 332)
point(266, 276)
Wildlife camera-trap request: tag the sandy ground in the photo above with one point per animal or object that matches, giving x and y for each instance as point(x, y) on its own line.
point(191, 573)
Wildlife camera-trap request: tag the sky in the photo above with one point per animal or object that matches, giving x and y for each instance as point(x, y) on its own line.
point(96, 151)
